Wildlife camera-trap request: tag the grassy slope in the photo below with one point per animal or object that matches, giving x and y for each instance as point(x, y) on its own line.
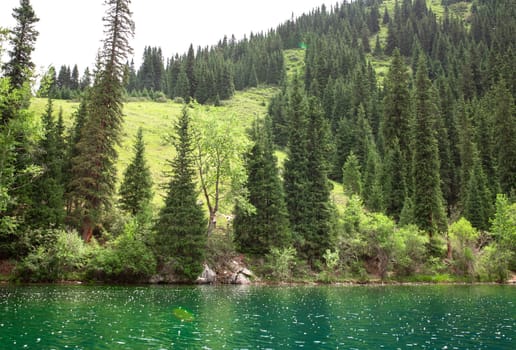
point(381, 64)
point(157, 120)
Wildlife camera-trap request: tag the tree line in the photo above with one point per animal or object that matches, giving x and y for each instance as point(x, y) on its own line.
point(424, 151)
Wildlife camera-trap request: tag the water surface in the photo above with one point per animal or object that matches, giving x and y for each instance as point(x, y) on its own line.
point(257, 317)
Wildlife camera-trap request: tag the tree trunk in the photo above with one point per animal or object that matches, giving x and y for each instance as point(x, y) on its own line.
point(87, 230)
point(212, 225)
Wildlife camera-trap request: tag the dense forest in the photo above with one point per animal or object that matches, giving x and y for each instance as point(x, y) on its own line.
point(405, 107)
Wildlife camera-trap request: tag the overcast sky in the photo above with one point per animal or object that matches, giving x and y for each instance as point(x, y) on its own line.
point(71, 30)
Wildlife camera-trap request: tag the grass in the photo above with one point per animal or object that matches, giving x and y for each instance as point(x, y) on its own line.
point(157, 120)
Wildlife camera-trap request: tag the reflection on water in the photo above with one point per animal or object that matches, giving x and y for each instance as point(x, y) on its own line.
point(252, 317)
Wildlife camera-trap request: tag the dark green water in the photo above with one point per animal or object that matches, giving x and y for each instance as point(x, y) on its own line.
point(391, 317)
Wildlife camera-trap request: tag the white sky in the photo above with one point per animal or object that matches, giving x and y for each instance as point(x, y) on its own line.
point(70, 30)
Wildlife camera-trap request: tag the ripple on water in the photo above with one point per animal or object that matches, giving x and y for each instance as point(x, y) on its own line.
point(426, 317)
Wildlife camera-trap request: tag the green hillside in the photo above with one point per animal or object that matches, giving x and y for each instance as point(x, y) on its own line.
point(157, 120)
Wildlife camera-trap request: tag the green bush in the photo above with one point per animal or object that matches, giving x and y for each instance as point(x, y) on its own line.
point(463, 238)
point(60, 254)
point(492, 264)
point(410, 250)
point(281, 262)
point(126, 259)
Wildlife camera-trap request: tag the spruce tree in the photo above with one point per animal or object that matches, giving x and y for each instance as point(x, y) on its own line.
point(136, 188)
point(478, 202)
point(321, 211)
point(395, 131)
point(93, 169)
point(23, 39)
point(352, 176)
point(505, 136)
point(267, 226)
point(296, 165)
point(428, 201)
point(181, 226)
point(47, 201)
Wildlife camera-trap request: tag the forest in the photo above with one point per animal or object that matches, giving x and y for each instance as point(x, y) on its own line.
point(382, 148)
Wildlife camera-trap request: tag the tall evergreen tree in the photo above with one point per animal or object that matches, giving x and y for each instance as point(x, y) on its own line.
point(47, 201)
point(395, 131)
point(352, 176)
point(136, 188)
point(181, 226)
point(93, 169)
point(267, 225)
point(296, 165)
point(23, 39)
point(321, 211)
point(505, 131)
point(428, 200)
point(478, 202)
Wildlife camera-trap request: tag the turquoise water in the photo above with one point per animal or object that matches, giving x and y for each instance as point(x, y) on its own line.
point(254, 317)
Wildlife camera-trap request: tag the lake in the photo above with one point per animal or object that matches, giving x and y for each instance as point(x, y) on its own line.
point(258, 317)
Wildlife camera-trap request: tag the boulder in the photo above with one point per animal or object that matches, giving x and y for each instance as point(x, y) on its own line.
point(240, 278)
point(208, 276)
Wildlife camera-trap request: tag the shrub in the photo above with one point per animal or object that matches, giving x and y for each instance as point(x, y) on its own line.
point(463, 237)
point(53, 260)
point(492, 264)
point(126, 259)
point(281, 262)
point(410, 250)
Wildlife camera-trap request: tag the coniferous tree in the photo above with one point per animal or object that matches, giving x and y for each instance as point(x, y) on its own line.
point(478, 200)
point(296, 166)
point(395, 135)
point(23, 38)
point(181, 226)
point(505, 131)
point(267, 225)
point(47, 204)
point(136, 188)
point(394, 181)
point(352, 176)
point(428, 201)
point(93, 169)
point(321, 212)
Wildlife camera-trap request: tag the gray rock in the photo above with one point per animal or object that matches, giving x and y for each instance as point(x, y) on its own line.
point(240, 278)
point(207, 276)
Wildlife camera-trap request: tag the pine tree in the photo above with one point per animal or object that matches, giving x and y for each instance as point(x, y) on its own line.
point(395, 131)
point(505, 131)
point(181, 226)
point(352, 176)
point(23, 39)
point(395, 185)
point(93, 169)
point(267, 226)
point(47, 201)
point(296, 166)
point(321, 212)
point(136, 188)
point(428, 201)
point(478, 206)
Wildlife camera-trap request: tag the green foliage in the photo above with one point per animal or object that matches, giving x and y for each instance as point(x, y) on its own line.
point(218, 145)
point(181, 226)
point(93, 168)
point(281, 262)
point(410, 250)
point(256, 231)
point(126, 259)
point(23, 41)
point(61, 254)
point(428, 200)
point(136, 188)
point(463, 238)
point(351, 176)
